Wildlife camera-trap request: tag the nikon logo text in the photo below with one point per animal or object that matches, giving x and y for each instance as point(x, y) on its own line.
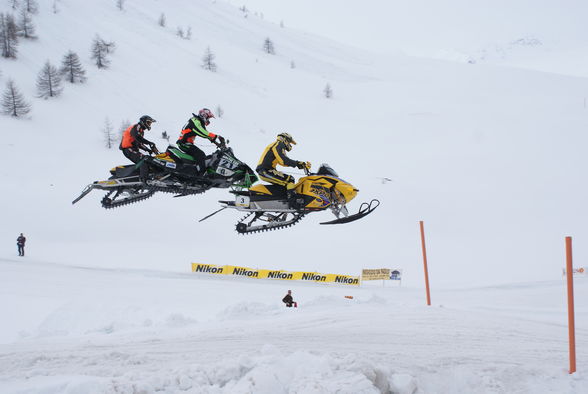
point(279, 275)
point(346, 280)
point(244, 272)
point(315, 277)
point(208, 269)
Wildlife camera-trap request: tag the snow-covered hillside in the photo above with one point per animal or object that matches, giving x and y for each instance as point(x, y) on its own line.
point(490, 156)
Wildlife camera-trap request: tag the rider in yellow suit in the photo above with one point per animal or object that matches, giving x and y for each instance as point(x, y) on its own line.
point(275, 154)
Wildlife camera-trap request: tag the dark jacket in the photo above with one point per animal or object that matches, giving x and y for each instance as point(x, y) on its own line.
point(133, 137)
point(274, 154)
point(194, 128)
point(288, 300)
point(21, 240)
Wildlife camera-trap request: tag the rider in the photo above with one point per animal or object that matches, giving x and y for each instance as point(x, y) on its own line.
point(274, 154)
point(196, 127)
point(133, 141)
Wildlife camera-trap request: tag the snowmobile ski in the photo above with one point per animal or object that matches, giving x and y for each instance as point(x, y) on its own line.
point(364, 210)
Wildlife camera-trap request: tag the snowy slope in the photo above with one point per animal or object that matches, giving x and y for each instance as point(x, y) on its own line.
point(490, 156)
point(495, 32)
point(112, 330)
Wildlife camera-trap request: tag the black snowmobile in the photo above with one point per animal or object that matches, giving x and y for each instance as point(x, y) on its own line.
point(172, 172)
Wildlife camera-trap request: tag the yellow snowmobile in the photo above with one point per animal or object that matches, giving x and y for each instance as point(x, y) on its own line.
point(268, 207)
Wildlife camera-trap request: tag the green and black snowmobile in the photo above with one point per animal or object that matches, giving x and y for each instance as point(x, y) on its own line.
point(172, 172)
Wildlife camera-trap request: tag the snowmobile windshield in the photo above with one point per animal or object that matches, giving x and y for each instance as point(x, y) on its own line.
point(326, 169)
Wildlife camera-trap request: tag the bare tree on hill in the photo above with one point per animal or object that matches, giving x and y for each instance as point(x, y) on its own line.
point(100, 51)
point(8, 36)
point(26, 28)
point(268, 46)
point(71, 68)
point(13, 102)
point(49, 82)
point(31, 6)
point(162, 21)
point(327, 91)
point(125, 124)
point(208, 60)
point(108, 132)
point(120, 4)
point(14, 4)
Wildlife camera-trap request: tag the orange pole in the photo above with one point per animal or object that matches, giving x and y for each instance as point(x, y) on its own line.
point(571, 324)
point(425, 262)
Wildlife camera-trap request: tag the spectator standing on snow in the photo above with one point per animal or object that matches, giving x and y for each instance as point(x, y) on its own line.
point(288, 300)
point(20, 242)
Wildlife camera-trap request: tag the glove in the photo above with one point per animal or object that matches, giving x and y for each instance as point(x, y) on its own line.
point(300, 165)
point(221, 139)
point(153, 148)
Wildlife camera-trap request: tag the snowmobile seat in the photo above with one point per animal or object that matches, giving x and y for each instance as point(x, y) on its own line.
point(124, 171)
point(178, 156)
point(275, 190)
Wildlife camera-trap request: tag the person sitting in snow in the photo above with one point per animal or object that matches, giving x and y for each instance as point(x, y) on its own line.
point(288, 300)
point(196, 127)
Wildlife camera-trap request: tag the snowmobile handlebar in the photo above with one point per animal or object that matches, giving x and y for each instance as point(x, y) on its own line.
point(221, 143)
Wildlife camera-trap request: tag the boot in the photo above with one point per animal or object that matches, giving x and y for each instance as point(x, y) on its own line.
point(294, 200)
point(143, 174)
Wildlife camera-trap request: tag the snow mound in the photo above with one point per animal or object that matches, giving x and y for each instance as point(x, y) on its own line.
point(248, 310)
point(269, 371)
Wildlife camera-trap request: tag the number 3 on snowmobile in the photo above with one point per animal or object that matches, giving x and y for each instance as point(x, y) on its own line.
point(268, 207)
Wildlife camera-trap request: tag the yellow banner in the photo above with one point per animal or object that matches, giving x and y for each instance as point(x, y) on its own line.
point(375, 274)
point(275, 274)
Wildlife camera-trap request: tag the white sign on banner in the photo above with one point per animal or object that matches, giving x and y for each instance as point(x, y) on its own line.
point(395, 274)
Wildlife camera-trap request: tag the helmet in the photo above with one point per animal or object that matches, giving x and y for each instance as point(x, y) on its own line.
point(145, 122)
point(205, 114)
point(287, 140)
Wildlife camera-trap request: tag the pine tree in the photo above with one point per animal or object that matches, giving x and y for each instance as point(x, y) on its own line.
point(161, 20)
point(180, 32)
point(8, 36)
point(26, 28)
point(14, 4)
point(328, 92)
point(31, 6)
point(208, 60)
point(125, 124)
point(268, 46)
point(220, 111)
point(100, 52)
point(13, 103)
point(108, 132)
point(120, 4)
point(49, 82)
point(71, 68)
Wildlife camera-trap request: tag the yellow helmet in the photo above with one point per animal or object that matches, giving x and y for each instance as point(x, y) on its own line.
point(287, 140)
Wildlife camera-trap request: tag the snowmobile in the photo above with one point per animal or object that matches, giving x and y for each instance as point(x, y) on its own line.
point(269, 208)
point(172, 172)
